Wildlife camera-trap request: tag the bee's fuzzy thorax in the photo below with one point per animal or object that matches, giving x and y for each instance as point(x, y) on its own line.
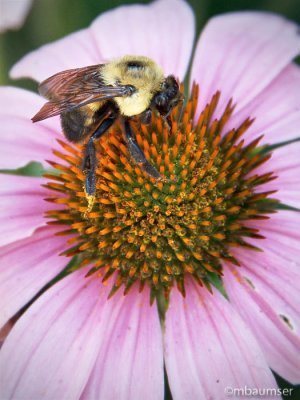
point(139, 71)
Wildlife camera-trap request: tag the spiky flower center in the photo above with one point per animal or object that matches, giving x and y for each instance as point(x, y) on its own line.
point(158, 231)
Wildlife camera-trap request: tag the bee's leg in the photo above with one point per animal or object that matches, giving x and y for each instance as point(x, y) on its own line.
point(137, 154)
point(146, 116)
point(90, 160)
point(168, 122)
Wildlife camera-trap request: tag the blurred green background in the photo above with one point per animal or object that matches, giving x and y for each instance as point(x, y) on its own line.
point(49, 20)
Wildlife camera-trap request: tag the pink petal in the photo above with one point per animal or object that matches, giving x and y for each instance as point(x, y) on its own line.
point(23, 206)
point(13, 13)
point(240, 54)
point(285, 163)
point(275, 109)
point(280, 345)
point(208, 348)
point(130, 361)
point(278, 273)
point(279, 286)
point(163, 31)
point(26, 266)
point(75, 50)
point(272, 291)
point(23, 141)
point(52, 349)
point(25, 105)
point(149, 30)
point(282, 237)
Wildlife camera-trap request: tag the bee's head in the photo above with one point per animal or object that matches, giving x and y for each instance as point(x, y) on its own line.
point(168, 96)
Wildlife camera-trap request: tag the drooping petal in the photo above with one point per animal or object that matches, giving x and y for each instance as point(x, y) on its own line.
point(279, 286)
point(52, 349)
point(282, 238)
point(208, 348)
point(130, 361)
point(22, 141)
point(280, 345)
point(163, 31)
point(266, 292)
point(240, 54)
point(285, 163)
point(22, 207)
point(59, 337)
point(26, 266)
point(276, 110)
point(279, 264)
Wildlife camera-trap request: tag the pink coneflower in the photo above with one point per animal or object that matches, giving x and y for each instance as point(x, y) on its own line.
point(214, 250)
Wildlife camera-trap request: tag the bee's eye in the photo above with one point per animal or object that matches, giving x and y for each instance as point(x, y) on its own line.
point(170, 87)
point(160, 100)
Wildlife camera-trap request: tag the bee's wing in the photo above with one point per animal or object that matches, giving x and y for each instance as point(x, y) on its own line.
point(75, 88)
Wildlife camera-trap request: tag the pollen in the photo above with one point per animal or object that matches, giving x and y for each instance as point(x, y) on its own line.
point(157, 232)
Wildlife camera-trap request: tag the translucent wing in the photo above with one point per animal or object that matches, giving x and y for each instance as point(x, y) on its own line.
point(75, 88)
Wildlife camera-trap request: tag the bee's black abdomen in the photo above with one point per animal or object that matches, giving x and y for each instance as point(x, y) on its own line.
point(72, 123)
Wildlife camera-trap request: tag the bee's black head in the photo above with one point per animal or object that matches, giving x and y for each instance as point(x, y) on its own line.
point(168, 97)
point(170, 87)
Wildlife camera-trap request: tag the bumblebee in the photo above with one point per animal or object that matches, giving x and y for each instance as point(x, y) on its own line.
point(90, 99)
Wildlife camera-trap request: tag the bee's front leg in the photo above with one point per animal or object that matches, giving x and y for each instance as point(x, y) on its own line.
point(89, 163)
point(146, 116)
point(136, 152)
point(168, 122)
